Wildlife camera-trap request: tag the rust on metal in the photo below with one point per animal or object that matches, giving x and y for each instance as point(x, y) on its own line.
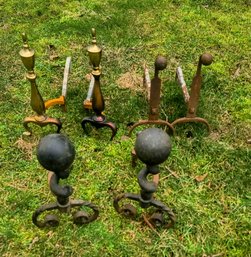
point(192, 99)
point(153, 92)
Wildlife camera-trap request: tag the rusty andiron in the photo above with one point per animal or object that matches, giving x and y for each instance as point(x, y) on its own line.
point(37, 103)
point(56, 154)
point(94, 96)
point(153, 88)
point(152, 147)
point(192, 99)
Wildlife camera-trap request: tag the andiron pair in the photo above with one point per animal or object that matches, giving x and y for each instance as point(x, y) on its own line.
point(56, 154)
point(153, 88)
point(95, 94)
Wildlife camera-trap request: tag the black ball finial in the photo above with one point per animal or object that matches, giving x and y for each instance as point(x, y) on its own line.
point(153, 146)
point(56, 153)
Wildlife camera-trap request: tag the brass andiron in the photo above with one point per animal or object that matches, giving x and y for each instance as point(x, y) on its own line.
point(153, 91)
point(152, 147)
point(98, 105)
point(37, 102)
point(56, 153)
point(192, 100)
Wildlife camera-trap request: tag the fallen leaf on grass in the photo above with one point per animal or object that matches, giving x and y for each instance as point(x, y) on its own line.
point(201, 177)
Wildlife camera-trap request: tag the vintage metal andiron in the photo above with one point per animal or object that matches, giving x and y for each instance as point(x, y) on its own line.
point(98, 105)
point(37, 102)
point(56, 154)
point(192, 99)
point(153, 90)
point(152, 147)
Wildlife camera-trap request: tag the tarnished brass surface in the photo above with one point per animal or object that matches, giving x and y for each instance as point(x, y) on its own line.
point(97, 103)
point(37, 103)
point(41, 121)
point(28, 58)
point(95, 53)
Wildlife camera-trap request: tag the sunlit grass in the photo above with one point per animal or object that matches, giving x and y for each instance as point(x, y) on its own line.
point(213, 215)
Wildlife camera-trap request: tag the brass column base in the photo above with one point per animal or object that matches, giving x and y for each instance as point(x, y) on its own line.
point(41, 121)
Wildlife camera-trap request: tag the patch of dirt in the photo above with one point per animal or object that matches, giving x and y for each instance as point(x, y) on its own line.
point(26, 147)
point(131, 80)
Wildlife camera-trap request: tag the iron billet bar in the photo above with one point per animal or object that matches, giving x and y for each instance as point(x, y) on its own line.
point(88, 101)
point(61, 100)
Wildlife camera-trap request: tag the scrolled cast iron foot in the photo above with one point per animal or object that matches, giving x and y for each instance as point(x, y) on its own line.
point(150, 122)
point(127, 210)
point(50, 220)
point(99, 122)
point(157, 219)
point(42, 122)
point(192, 119)
point(81, 217)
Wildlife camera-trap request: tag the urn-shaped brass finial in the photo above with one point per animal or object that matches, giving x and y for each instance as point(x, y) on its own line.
point(94, 52)
point(27, 54)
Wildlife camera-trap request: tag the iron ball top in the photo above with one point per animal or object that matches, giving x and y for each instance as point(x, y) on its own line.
point(206, 59)
point(56, 153)
point(153, 146)
point(160, 63)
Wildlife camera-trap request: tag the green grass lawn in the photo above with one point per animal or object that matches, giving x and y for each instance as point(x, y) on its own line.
point(213, 215)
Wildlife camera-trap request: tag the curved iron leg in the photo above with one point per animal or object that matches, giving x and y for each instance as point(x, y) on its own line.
point(155, 203)
point(41, 123)
point(116, 200)
point(156, 122)
point(88, 219)
point(195, 119)
point(163, 208)
point(99, 124)
point(39, 211)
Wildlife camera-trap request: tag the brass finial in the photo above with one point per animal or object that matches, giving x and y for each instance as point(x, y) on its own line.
point(94, 41)
point(94, 52)
point(25, 40)
point(27, 54)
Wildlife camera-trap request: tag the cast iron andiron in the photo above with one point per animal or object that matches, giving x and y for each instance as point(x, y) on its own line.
point(153, 91)
point(192, 100)
point(37, 102)
point(56, 153)
point(152, 147)
point(98, 105)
